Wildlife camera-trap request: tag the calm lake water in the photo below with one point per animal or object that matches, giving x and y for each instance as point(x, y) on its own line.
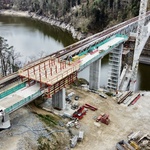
point(33, 39)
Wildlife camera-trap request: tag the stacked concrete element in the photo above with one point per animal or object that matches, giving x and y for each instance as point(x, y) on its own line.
point(115, 60)
point(95, 75)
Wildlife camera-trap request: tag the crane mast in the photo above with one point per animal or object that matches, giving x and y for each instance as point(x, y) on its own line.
point(139, 37)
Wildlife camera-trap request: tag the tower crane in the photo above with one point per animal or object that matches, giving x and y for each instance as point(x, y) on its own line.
point(139, 37)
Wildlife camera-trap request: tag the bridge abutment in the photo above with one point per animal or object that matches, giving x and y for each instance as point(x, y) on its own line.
point(94, 80)
point(4, 120)
point(58, 99)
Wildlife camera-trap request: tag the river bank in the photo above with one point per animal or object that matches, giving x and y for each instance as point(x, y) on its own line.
point(54, 22)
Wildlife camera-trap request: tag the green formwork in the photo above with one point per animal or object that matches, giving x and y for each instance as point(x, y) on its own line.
point(12, 90)
point(23, 102)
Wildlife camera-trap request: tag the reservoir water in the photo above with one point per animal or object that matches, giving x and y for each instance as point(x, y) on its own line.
point(33, 39)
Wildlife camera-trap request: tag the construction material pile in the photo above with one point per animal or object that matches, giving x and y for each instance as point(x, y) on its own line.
point(136, 141)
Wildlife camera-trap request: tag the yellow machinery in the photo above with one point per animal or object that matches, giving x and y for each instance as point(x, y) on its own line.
point(134, 145)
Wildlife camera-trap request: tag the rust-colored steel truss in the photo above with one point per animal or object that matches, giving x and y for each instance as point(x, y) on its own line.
point(61, 84)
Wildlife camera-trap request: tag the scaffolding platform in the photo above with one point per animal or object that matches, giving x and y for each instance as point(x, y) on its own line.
point(49, 71)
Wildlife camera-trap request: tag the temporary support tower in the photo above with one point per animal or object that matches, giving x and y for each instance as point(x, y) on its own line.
point(115, 59)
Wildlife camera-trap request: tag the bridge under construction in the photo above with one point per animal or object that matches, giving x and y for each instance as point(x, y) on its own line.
point(50, 75)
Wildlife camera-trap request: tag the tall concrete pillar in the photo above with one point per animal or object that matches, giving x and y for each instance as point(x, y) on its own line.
point(94, 80)
point(58, 99)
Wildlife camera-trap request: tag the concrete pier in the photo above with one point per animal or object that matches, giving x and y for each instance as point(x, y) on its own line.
point(94, 80)
point(58, 100)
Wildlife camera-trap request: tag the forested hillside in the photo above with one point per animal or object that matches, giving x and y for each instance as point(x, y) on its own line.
point(84, 15)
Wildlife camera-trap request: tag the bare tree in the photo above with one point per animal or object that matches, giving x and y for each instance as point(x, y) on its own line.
point(8, 58)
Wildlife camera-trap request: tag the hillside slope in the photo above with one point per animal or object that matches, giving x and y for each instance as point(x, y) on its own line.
point(84, 15)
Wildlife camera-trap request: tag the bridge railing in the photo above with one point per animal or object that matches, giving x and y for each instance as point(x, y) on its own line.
point(23, 102)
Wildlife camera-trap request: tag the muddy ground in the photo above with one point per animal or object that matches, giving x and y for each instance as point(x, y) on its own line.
point(123, 120)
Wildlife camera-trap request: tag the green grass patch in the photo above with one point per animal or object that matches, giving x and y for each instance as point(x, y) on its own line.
point(49, 120)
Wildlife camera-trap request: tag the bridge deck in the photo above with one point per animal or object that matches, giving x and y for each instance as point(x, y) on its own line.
point(104, 48)
point(19, 95)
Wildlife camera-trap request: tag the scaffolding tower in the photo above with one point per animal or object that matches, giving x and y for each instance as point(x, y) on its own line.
point(115, 60)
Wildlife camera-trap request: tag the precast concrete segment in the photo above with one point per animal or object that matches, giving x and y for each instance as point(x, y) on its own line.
point(94, 80)
point(58, 99)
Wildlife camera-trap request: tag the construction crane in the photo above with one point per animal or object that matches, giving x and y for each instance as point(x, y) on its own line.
point(139, 37)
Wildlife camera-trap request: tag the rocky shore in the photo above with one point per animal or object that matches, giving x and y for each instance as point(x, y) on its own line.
point(55, 22)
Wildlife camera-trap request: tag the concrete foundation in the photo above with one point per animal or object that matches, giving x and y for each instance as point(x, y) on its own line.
point(58, 100)
point(94, 80)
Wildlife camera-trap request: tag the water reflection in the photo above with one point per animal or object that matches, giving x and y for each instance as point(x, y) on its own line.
point(31, 38)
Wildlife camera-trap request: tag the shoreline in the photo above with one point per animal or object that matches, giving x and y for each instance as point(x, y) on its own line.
point(54, 22)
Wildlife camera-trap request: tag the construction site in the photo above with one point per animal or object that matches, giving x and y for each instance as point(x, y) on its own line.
point(45, 106)
point(91, 120)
